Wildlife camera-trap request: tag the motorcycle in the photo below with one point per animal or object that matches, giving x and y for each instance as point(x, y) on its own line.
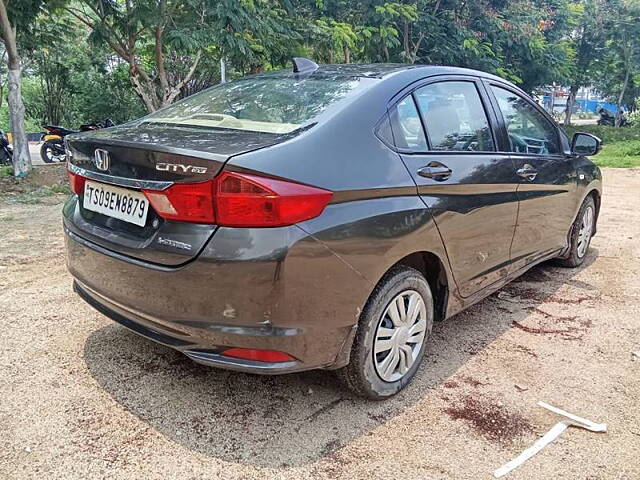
point(607, 118)
point(52, 149)
point(6, 150)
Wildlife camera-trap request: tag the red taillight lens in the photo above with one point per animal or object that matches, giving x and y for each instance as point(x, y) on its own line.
point(76, 182)
point(240, 200)
point(271, 356)
point(250, 201)
point(187, 202)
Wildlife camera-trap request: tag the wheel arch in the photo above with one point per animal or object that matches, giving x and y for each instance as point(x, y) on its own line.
point(597, 199)
point(432, 267)
point(434, 271)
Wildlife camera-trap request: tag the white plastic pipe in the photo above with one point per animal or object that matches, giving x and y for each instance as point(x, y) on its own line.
point(550, 436)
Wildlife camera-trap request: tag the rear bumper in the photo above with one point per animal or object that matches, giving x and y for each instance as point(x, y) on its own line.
point(301, 300)
point(184, 343)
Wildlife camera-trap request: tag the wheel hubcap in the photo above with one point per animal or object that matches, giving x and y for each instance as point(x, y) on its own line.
point(53, 156)
point(399, 336)
point(585, 232)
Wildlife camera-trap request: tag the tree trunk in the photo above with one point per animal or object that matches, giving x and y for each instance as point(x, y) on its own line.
point(385, 52)
point(405, 42)
point(570, 103)
point(21, 157)
point(621, 97)
point(347, 54)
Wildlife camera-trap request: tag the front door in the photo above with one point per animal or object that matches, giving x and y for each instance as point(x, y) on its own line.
point(547, 178)
point(469, 187)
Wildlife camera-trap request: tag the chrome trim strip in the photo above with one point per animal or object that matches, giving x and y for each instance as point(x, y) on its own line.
point(121, 181)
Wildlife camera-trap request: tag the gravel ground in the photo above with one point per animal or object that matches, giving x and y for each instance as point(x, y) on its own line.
point(81, 397)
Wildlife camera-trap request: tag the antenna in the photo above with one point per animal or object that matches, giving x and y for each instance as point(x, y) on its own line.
point(304, 65)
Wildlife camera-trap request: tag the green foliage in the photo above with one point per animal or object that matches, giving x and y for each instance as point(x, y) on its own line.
point(620, 155)
point(98, 93)
point(619, 65)
point(607, 134)
point(6, 171)
point(621, 146)
point(634, 117)
point(104, 58)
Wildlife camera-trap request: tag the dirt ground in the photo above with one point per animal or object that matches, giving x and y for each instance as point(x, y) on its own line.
point(82, 398)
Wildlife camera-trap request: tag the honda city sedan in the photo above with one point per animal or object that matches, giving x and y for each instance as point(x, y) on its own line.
point(324, 217)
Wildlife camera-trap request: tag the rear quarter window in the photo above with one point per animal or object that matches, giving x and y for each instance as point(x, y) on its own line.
point(407, 126)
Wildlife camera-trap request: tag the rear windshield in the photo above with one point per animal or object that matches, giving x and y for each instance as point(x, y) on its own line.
point(271, 104)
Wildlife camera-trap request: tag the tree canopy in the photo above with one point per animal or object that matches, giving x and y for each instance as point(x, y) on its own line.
point(84, 60)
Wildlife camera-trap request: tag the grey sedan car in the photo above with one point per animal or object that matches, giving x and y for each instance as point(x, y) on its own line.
point(324, 217)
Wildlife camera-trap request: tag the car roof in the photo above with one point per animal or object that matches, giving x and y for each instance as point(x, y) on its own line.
point(384, 70)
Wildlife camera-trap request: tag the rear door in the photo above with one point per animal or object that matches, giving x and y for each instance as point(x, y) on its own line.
point(468, 185)
point(547, 178)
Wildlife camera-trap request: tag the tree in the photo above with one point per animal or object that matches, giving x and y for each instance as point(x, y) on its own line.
point(10, 17)
point(141, 33)
point(619, 65)
point(625, 43)
point(587, 42)
point(147, 34)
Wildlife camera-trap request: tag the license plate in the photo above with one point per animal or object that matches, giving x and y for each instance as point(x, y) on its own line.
point(127, 205)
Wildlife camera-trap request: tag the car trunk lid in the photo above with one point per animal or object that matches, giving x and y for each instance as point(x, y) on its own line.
point(151, 157)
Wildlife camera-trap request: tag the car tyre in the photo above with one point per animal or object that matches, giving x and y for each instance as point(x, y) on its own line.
point(46, 153)
point(366, 369)
point(581, 234)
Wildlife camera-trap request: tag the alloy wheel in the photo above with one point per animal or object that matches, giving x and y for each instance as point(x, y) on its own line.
point(585, 232)
point(399, 336)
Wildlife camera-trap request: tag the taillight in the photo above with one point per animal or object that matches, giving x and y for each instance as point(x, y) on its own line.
point(240, 200)
point(185, 202)
point(234, 200)
point(270, 356)
point(76, 182)
point(250, 201)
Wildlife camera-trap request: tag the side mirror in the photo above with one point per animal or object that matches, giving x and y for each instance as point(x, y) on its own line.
point(585, 144)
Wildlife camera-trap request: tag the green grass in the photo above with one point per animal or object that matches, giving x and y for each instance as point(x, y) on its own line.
point(33, 197)
point(61, 189)
point(621, 146)
point(6, 171)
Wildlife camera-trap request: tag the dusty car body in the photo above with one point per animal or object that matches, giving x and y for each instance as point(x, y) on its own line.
point(469, 213)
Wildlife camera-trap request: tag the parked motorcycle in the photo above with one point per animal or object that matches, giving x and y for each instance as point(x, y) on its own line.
point(52, 149)
point(608, 118)
point(6, 150)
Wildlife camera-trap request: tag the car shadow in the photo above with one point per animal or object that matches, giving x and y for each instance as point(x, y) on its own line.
point(290, 420)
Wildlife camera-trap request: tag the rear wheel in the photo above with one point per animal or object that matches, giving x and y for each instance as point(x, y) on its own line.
point(50, 154)
point(581, 233)
point(393, 330)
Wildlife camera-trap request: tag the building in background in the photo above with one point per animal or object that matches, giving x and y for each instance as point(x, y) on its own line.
point(588, 100)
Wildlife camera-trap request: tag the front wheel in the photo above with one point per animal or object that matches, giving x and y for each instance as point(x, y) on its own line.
point(51, 153)
point(581, 233)
point(391, 337)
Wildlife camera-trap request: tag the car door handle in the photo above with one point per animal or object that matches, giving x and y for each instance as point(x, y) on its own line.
point(528, 172)
point(436, 171)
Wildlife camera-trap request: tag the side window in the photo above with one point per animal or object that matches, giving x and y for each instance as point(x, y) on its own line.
point(454, 117)
point(529, 131)
point(383, 132)
point(407, 127)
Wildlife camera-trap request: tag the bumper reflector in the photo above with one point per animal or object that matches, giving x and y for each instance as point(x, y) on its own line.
point(269, 356)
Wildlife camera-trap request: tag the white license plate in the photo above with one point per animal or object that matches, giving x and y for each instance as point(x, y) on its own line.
point(120, 203)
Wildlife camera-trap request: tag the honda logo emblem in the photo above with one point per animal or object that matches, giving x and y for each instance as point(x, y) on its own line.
point(101, 159)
